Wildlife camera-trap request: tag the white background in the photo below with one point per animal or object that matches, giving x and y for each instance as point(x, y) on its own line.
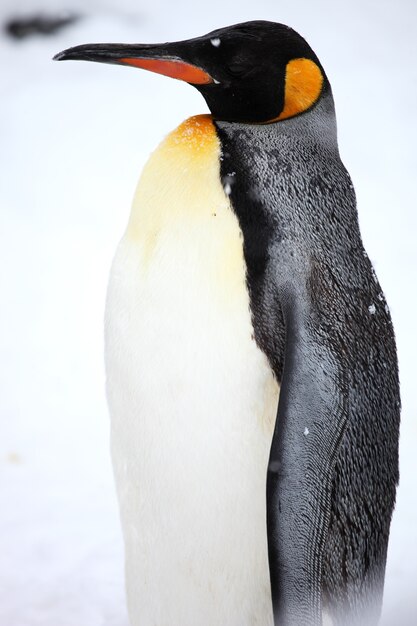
point(73, 139)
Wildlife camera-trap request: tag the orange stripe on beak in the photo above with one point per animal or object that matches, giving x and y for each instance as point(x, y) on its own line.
point(174, 69)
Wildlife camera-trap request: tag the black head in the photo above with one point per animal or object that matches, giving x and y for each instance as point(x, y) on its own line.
point(251, 72)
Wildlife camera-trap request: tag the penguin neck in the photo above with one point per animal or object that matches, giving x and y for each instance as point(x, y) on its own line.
point(318, 124)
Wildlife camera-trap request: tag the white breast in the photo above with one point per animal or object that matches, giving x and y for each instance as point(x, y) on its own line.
point(192, 399)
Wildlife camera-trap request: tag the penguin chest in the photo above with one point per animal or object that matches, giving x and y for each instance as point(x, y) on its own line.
point(192, 399)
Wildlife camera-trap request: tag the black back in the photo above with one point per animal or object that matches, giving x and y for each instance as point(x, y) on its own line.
point(296, 207)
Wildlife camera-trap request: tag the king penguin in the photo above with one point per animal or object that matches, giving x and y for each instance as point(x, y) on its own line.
point(251, 365)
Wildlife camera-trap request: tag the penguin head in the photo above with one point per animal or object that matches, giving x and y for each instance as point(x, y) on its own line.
point(254, 72)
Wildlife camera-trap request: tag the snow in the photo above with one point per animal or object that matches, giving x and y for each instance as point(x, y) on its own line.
point(74, 137)
point(215, 42)
point(372, 309)
point(306, 431)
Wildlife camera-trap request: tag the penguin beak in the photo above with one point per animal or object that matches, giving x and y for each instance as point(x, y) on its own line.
point(162, 59)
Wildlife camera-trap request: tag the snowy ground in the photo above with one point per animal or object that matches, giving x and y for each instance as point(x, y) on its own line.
point(74, 138)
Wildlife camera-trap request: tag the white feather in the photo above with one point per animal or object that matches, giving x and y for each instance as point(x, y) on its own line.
point(192, 399)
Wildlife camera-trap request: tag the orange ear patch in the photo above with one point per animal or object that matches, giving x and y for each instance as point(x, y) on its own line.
point(175, 69)
point(303, 85)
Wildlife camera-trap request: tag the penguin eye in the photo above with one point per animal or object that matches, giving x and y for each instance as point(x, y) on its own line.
point(237, 68)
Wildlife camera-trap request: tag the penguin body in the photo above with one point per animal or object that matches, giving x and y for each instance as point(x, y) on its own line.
point(193, 399)
point(241, 284)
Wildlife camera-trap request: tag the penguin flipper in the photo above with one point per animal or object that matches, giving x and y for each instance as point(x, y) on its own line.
point(310, 424)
